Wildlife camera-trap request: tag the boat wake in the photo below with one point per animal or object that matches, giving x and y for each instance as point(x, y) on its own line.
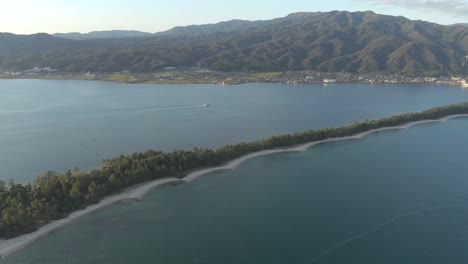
point(154, 108)
point(108, 110)
point(381, 225)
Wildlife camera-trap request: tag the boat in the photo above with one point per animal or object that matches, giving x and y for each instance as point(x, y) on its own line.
point(206, 105)
point(329, 80)
point(464, 83)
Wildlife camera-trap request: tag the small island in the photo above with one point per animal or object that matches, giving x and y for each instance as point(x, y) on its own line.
point(53, 196)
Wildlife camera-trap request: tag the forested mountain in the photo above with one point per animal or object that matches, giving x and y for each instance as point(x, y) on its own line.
point(11, 44)
point(103, 34)
point(330, 41)
point(196, 30)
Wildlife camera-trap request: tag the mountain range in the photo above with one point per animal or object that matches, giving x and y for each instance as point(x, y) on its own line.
point(103, 34)
point(324, 41)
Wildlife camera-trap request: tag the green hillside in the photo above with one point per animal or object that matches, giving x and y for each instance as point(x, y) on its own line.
point(331, 41)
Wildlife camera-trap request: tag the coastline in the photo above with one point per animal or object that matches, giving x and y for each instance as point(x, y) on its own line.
point(243, 79)
point(138, 192)
point(10, 246)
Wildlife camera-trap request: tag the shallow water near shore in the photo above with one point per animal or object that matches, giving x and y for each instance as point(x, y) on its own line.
point(392, 197)
point(56, 125)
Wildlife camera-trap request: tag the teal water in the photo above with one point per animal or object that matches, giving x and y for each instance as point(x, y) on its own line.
point(56, 125)
point(392, 197)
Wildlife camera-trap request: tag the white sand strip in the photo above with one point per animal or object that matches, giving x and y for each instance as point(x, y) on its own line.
point(235, 163)
point(137, 192)
point(10, 246)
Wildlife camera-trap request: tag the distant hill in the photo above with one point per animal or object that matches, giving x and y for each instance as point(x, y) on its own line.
point(36, 44)
point(197, 30)
point(324, 41)
point(103, 34)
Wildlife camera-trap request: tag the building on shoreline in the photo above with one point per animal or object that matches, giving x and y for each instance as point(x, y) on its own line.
point(464, 83)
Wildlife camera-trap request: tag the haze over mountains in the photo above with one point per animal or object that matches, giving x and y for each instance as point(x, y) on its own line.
point(103, 34)
point(330, 41)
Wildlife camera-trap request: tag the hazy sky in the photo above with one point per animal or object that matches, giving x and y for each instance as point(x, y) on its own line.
point(51, 16)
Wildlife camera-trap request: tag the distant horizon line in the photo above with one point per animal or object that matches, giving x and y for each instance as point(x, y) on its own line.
point(214, 23)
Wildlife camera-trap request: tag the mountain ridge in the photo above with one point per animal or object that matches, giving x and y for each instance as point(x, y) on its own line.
point(103, 34)
point(324, 41)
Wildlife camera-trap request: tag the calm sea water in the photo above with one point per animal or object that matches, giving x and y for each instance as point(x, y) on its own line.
point(393, 197)
point(56, 125)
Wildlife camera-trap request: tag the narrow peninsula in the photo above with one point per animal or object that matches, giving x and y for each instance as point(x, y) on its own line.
point(31, 211)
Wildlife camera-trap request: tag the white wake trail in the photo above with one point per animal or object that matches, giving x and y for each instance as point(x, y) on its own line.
point(377, 227)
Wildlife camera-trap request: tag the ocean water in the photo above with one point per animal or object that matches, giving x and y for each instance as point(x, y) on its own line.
point(57, 125)
point(392, 197)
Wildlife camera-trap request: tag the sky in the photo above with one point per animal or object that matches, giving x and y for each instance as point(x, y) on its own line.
point(53, 16)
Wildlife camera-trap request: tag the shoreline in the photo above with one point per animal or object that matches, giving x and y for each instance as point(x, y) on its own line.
point(214, 81)
point(139, 191)
point(10, 246)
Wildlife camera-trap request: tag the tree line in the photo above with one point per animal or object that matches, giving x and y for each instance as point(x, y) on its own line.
point(24, 208)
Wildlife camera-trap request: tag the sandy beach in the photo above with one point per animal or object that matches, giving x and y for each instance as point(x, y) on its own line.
point(138, 192)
